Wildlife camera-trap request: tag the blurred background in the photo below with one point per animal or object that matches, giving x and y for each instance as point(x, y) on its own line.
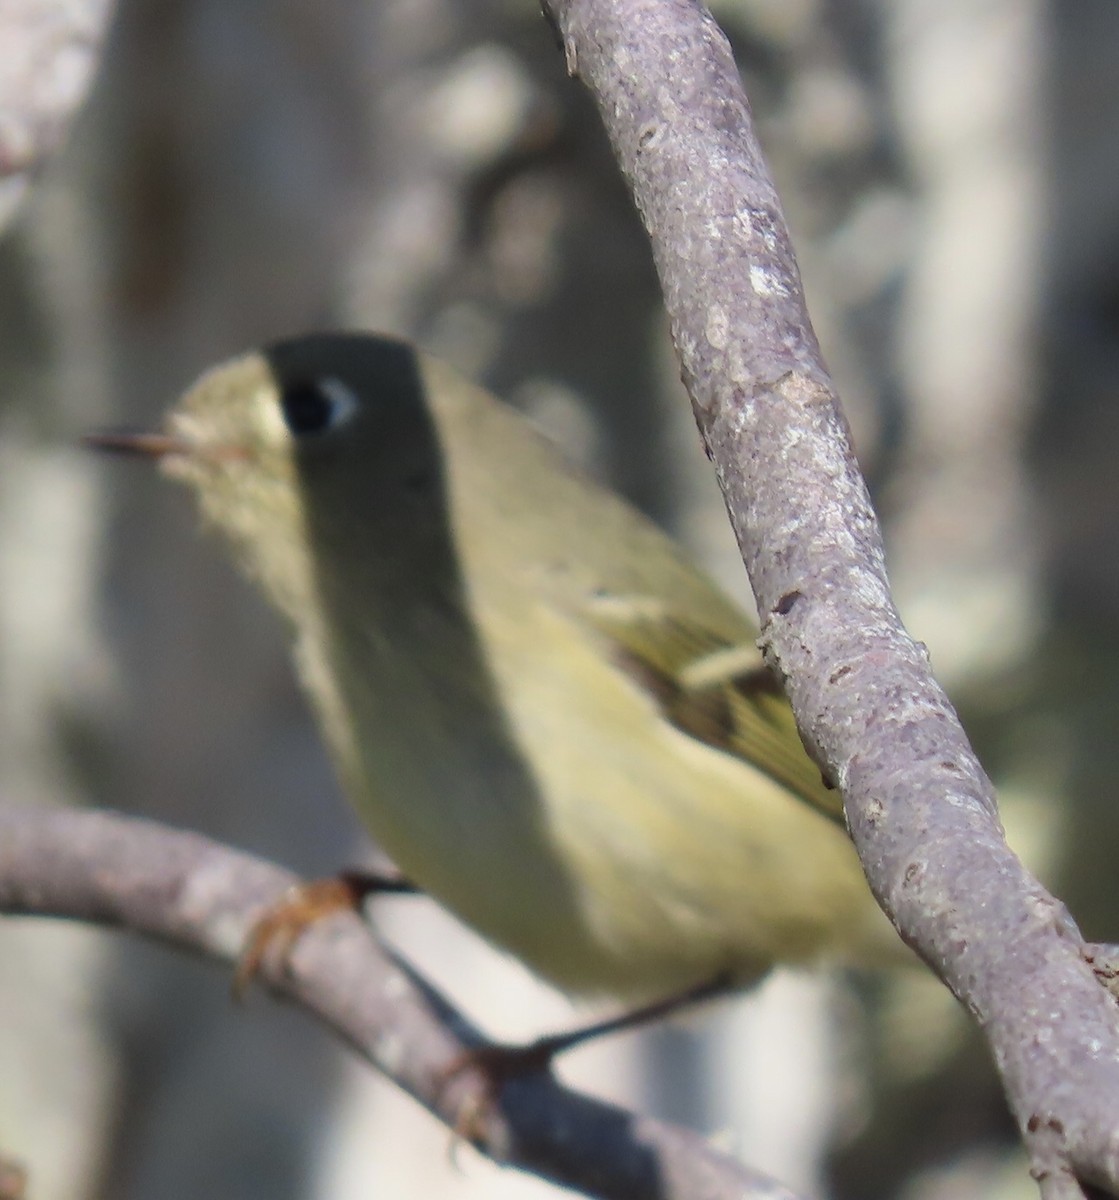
point(242, 171)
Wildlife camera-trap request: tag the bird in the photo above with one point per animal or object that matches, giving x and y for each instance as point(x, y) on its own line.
point(549, 719)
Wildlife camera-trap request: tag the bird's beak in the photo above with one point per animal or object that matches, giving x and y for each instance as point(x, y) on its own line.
point(137, 443)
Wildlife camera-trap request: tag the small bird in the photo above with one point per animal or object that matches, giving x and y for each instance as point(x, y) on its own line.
point(551, 721)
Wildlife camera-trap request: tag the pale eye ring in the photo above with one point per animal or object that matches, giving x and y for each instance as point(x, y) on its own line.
point(313, 406)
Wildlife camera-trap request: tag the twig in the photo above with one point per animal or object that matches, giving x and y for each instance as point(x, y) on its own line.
point(197, 895)
point(920, 809)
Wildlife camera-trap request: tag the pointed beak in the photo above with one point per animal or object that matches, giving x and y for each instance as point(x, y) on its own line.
point(136, 443)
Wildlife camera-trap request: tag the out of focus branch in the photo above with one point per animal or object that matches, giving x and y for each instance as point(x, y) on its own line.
point(13, 1179)
point(50, 50)
point(197, 895)
point(920, 809)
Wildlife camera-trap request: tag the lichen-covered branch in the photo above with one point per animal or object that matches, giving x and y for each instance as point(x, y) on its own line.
point(203, 897)
point(920, 809)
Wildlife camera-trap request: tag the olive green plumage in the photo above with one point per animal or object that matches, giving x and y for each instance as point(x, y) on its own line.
point(550, 720)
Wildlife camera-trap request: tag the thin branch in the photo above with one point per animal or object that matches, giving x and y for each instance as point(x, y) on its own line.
point(197, 895)
point(920, 809)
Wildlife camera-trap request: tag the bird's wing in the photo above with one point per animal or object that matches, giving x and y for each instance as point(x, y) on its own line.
point(718, 692)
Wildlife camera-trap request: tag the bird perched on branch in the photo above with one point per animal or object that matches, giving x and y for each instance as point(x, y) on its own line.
point(550, 720)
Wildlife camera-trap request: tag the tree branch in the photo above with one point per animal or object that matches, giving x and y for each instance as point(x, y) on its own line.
point(50, 52)
point(197, 895)
point(920, 809)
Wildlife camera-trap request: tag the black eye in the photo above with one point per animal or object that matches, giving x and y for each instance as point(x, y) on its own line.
point(316, 405)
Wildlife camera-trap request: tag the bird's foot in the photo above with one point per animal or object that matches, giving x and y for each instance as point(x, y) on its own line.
point(500, 1062)
point(304, 905)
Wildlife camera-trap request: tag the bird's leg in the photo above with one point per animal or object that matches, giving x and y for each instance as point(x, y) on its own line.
point(544, 1049)
point(501, 1061)
point(305, 904)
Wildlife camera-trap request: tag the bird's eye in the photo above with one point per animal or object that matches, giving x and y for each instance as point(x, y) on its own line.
point(317, 405)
